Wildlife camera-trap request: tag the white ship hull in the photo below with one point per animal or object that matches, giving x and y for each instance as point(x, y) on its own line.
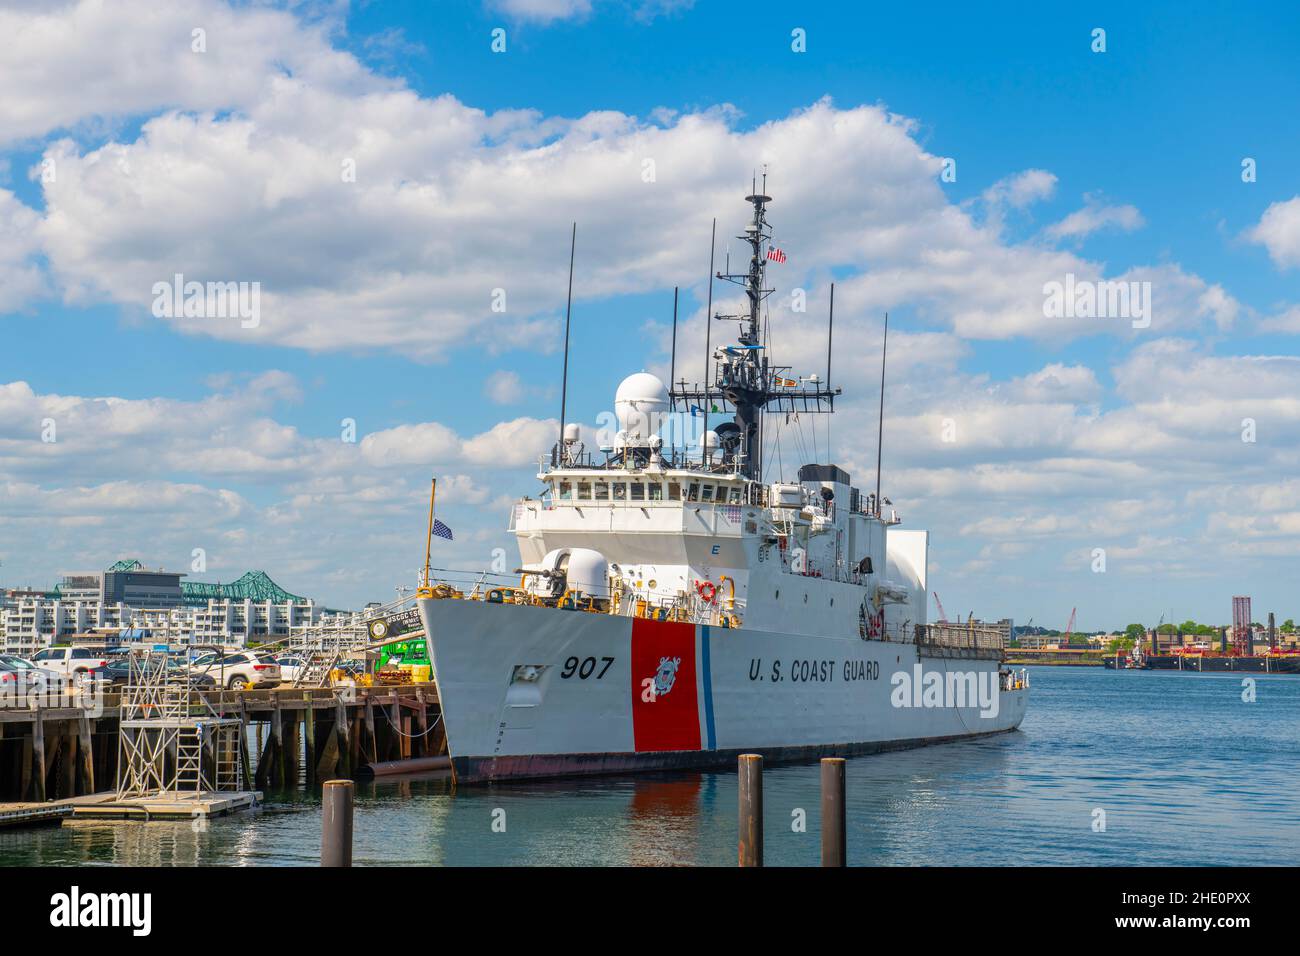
point(532, 691)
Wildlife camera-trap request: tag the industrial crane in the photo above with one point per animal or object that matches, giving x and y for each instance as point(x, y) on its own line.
point(1069, 628)
point(943, 618)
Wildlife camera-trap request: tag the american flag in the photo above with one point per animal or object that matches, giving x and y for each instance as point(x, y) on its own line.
point(733, 513)
point(441, 530)
point(775, 254)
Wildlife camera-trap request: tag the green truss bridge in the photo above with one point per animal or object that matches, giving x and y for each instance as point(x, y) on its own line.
point(253, 586)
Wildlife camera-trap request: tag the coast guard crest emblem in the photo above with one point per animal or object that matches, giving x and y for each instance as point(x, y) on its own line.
point(666, 675)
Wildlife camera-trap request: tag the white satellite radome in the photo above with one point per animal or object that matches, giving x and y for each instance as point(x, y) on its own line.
point(572, 432)
point(710, 440)
point(640, 403)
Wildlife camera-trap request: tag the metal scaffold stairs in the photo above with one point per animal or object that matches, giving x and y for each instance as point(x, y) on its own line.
point(169, 744)
point(317, 670)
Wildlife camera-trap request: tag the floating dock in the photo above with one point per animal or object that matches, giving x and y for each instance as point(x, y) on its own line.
point(168, 806)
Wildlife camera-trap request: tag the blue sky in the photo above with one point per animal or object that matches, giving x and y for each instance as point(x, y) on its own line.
point(471, 166)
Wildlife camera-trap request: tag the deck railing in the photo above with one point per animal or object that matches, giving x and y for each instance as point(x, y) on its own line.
point(974, 634)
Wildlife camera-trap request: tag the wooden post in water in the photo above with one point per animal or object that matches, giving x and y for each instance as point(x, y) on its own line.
point(834, 835)
point(751, 809)
point(336, 823)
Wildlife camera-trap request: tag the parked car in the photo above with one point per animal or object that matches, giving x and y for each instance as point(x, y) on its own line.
point(70, 661)
point(291, 667)
point(116, 673)
point(19, 676)
point(240, 669)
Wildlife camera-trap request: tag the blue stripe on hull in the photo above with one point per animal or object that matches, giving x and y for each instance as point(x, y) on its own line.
point(707, 676)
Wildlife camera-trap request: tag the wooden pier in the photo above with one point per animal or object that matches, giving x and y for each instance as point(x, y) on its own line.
point(55, 753)
point(57, 761)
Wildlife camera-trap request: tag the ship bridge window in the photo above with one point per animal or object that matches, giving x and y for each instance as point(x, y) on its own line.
point(693, 493)
point(733, 496)
point(620, 491)
point(566, 491)
point(602, 490)
point(638, 491)
point(655, 490)
point(706, 493)
point(584, 491)
point(675, 490)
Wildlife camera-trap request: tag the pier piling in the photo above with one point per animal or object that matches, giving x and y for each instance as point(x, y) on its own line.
point(751, 809)
point(336, 823)
point(309, 753)
point(834, 844)
point(87, 753)
point(38, 756)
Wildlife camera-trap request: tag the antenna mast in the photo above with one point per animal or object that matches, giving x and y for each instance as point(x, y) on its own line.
point(880, 433)
point(744, 382)
point(708, 330)
point(672, 367)
point(564, 383)
point(830, 337)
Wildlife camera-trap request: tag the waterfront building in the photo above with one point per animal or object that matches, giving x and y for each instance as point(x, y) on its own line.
point(136, 602)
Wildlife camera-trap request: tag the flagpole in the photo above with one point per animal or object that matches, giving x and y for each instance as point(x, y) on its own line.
point(428, 539)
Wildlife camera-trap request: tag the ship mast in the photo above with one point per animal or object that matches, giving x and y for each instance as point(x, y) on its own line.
point(746, 382)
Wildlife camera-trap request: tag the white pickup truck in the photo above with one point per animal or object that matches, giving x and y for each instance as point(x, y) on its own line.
point(71, 661)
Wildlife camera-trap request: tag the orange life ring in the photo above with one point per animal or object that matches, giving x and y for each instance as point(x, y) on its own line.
point(708, 591)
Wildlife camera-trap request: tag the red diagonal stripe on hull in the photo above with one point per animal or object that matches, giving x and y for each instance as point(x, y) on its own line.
point(669, 721)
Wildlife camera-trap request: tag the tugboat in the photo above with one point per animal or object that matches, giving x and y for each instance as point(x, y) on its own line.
point(673, 608)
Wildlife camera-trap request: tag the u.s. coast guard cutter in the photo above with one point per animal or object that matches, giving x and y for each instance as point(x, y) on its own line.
point(673, 609)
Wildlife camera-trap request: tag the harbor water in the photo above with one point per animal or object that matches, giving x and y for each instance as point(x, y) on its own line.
point(1110, 767)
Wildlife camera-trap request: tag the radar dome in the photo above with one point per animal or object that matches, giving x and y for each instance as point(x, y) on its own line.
point(640, 402)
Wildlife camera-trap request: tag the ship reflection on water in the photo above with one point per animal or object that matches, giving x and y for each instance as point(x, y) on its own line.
point(664, 820)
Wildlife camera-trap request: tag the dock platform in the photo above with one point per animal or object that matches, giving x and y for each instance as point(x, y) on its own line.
point(169, 806)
